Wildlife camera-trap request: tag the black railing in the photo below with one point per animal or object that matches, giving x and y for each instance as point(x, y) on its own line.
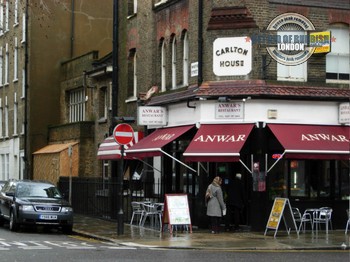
point(97, 197)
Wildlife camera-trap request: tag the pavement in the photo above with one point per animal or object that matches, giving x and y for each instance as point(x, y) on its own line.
point(244, 239)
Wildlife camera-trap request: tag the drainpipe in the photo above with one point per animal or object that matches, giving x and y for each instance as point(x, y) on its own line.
point(72, 30)
point(26, 173)
point(200, 43)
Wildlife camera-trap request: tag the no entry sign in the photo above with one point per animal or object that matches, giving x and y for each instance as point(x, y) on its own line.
point(123, 134)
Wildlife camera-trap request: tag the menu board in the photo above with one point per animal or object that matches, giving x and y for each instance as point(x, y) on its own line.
point(176, 211)
point(281, 209)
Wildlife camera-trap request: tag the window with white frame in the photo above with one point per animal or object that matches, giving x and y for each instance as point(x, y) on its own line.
point(132, 7)
point(1, 19)
point(15, 61)
point(6, 118)
point(173, 63)
point(1, 66)
point(7, 15)
point(185, 65)
point(297, 73)
point(24, 28)
point(23, 83)
point(163, 66)
point(77, 105)
point(15, 13)
point(15, 114)
point(132, 75)
point(338, 60)
point(6, 72)
point(1, 119)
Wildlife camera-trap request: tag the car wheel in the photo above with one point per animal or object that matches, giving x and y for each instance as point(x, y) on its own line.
point(67, 229)
point(13, 223)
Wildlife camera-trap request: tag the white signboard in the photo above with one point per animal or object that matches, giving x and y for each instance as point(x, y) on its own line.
point(194, 69)
point(344, 113)
point(152, 115)
point(229, 110)
point(232, 56)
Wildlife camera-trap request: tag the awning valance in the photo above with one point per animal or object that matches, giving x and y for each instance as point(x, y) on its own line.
point(152, 144)
point(313, 141)
point(218, 143)
point(110, 150)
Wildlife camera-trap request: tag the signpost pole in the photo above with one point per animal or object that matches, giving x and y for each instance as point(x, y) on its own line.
point(123, 135)
point(120, 217)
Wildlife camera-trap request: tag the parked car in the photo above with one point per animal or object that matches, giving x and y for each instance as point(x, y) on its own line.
point(26, 202)
point(2, 183)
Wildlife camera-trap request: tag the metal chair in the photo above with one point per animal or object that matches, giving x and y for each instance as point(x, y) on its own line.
point(153, 212)
point(306, 218)
point(347, 223)
point(323, 215)
point(296, 215)
point(137, 210)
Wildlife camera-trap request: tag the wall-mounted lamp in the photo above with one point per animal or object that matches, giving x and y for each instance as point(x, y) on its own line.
point(223, 99)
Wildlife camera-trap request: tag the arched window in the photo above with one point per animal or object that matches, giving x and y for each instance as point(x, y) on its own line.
point(163, 66)
point(185, 65)
point(173, 63)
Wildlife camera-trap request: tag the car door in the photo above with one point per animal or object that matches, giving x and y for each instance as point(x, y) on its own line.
point(7, 199)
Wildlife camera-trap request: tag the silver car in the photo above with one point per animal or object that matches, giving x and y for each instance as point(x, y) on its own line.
point(27, 202)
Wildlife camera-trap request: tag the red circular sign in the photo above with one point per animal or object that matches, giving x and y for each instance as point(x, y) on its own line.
point(123, 134)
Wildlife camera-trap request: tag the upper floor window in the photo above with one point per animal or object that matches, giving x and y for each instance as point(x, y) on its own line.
point(103, 104)
point(15, 13)
point(7, 14)
point(296, 73)
point(338, 60)
point(173, 62)
point(23, 28)
point(163, 66)
point(185, 62)
point(132, 7)
point(132, 76)
point(77, 105)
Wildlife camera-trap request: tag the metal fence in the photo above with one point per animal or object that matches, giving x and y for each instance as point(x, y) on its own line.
point(98, 197)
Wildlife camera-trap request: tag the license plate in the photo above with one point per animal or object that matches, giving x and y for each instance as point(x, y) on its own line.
point(48, 217)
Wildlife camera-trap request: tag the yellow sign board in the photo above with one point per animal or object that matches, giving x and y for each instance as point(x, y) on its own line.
point(322, 42)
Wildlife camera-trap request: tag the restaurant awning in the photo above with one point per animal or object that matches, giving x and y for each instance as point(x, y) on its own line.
point(313, 141)
point(152, 144)
point(110, 150)
point(218, 143)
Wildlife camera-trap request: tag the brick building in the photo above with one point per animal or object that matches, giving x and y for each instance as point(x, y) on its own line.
point(36, 38)
point(234, 95)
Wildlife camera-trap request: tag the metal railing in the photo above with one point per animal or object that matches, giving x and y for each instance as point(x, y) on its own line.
point(98, 197)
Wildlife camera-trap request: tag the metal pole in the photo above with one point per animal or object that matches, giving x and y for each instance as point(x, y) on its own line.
point(120, 217)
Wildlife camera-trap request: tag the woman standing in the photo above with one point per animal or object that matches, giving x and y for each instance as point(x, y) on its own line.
point(216, 207)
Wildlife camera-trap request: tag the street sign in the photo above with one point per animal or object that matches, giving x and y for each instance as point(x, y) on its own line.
point(123, 134)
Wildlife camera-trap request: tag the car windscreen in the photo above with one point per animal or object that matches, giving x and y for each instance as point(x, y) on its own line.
point(37, 190)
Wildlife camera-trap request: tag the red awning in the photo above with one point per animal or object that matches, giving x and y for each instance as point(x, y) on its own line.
point(152, 144)
point(218, 143)
point(313, 141)
point(110, 150)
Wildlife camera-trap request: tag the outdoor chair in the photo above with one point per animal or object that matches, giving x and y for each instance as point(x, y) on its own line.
point(153, 212)
point(347, 223)
point(322, 215)
point(306, 218)
point(137, 211)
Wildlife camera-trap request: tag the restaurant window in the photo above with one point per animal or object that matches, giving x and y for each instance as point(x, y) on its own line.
point(297, 179)
point(310, 179)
